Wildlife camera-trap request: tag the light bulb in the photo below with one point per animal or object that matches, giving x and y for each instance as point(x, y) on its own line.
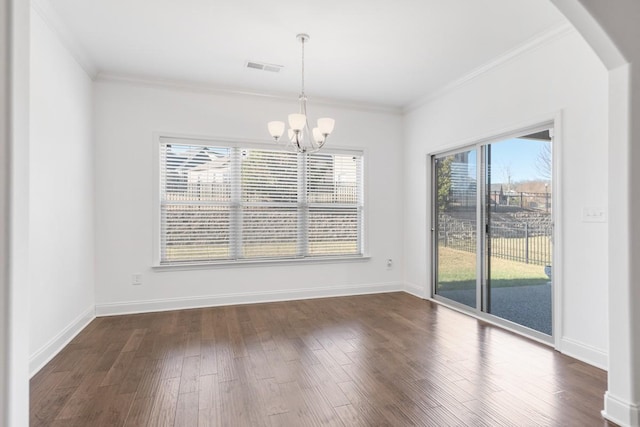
point(317, 136)
point(297, 121)
point(326, 125)
point(276, 129)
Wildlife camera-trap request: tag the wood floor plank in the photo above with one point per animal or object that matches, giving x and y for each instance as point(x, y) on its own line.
point(367, 408)
point(236, 338)
point(193, 344)
point(271, 398)
point(350, 416)
point(116, 407)
point(134, 375)
point(209, 393)
point(80, 370)
point(326, 386)
point(47, 408)
point(108, 358)
point(334, 369)
point(384, 359)
point(42, 386)
point(298, 411)
point(172, 367)
point(68, 358)
point(238, 405)
point(163, 412)
point(119, 369)
point(150, 380)
point(207, 332)
point(187, 410)
point(208, 358)
point(189, 379)
point(320, 410)
point(279, 367)
point(139, 412)
point(208, 417)
point(135, 339)
point(84, 394)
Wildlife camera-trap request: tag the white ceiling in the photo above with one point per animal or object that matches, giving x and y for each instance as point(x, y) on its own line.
point(382, 52)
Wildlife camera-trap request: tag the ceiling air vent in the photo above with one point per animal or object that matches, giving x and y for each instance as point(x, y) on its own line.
point(265, 67)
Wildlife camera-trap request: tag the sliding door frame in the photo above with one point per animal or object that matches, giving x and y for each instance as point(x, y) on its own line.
point(553, 122)
point(434, 227)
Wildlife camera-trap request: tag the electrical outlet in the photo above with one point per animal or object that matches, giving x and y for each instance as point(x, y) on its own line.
point(136, 279)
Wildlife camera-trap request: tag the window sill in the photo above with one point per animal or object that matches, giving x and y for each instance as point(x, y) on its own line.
point(258, 263)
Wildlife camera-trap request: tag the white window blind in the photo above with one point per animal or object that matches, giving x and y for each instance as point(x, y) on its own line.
point(233, 203)
point(334, 199)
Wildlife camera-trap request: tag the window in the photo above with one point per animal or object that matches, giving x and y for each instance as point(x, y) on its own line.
point(226, 202)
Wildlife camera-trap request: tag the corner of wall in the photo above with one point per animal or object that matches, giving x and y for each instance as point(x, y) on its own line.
point(584, 352)
point(47, 352)
point(415, 290)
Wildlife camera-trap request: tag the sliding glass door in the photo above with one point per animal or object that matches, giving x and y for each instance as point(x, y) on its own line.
point(492, 230)
point(456, 225)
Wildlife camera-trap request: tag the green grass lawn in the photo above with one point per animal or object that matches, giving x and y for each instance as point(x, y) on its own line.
point(457, 270)
point(514, 248)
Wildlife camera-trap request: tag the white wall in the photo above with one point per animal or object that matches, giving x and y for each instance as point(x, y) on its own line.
point(61, 243)
point(126, 118)
point(562, 75)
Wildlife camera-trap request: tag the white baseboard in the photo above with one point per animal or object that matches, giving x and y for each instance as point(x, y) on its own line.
point(48, 351)
point(584, 352)
point(621, 412)
point(415, 290)
point(147, 306)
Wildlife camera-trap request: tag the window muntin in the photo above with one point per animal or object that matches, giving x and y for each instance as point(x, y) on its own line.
point(226, 203)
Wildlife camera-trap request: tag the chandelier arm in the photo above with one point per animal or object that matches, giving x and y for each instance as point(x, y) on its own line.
point(298, 140)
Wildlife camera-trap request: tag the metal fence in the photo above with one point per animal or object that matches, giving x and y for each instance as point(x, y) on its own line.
point(526, 200)
point(521, 242)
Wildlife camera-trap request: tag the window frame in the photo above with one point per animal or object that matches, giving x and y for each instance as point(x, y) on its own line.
point(242, 143)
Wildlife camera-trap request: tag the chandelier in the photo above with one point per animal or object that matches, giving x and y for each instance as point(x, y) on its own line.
point(301, 138)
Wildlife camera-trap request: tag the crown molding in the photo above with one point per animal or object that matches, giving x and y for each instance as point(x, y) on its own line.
point(537, 41)
point(210, 88)
point(52, 19)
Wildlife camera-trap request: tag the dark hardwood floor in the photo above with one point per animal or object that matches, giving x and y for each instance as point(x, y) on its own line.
point(386, 359)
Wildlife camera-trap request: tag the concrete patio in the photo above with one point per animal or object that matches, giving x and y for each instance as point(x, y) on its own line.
point(528, 306)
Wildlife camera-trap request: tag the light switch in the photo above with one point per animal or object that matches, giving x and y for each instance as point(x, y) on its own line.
point(594, 214)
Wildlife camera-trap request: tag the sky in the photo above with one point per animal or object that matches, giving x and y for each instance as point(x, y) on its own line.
point(520, 156)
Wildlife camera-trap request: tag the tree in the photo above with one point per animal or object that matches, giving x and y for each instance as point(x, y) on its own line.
point(443, 179)
point(543, 162)
point(507, 176)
